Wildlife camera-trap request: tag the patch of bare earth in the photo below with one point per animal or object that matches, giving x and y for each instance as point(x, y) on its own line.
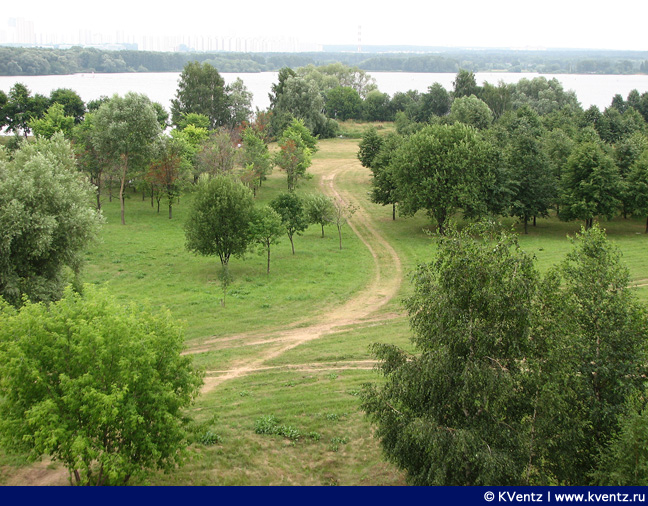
point(360, 310)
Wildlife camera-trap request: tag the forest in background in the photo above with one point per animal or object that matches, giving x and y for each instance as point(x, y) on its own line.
point(21, 61)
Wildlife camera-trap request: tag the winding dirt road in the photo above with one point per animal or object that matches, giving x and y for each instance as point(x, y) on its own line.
point(359, 310)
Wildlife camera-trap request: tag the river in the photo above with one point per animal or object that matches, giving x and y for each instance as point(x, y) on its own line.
point(161, 87)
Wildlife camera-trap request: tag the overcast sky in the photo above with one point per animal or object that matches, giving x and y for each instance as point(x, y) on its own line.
point(472, 23)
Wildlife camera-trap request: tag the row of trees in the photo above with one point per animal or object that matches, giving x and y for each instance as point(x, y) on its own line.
point(540, 154)
point(16, 61)
point(224, 221)
point(518, 378)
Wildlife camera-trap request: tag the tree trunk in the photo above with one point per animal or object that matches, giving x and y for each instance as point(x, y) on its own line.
point(170, 210)
point(340, 235)
point(534, 220)
point(121, 191)
point(322, 230)
point(99, 192)
point(292, 244)
point(394, 211)
point(526, 225)
point(268, 271)
point(158, 206)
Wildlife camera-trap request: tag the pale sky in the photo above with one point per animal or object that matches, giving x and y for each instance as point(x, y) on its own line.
point(467, 23)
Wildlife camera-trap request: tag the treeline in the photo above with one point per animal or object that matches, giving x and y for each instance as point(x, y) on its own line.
point(520, 150)
point(18, 61)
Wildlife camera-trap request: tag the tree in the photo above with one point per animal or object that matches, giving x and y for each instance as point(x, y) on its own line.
point(89, 159)
point(319, 210)
point(384, 189)
point(436, 101)
point(638, 186)
point(539, 369)
point(201, 90)
point(465, 84)
point(96, 385)
point(343, 103)
point(297, 98)
point(22, 107)
point(219, 219)
point(471, 111)
point(294, 155)
point(590, 185)
point(293, 214)
point(255, 155)
point(498, 98)
point(533, 187)
point(239, 103)
point(342, 212)
point(470, 313)
point(125, 131)
point(376, 107)
point(166, 172)
point(72, 103)
point(217, 154)
point(443, 169)
point(53, 121)
point(611, 335)
point(369, 146)
point(46, 220)
point(265, 228)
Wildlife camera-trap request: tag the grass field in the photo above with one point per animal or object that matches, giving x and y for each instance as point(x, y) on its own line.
point(291, 349)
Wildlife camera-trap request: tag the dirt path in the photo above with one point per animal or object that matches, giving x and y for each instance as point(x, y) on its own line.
point(383, 286)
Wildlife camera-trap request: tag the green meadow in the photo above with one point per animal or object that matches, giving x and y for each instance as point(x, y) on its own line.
point(290, 415)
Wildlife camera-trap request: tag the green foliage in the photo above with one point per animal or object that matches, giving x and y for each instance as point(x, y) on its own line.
point(637, 187)
point(72, 103)
point(470, 313)
point(533, 188)
point(590, 184)
point(319, 210)
point(218, 222)
point(343, 103)
point(296, 147)
point(625, 461)
point(256, 156)
point(126, 129)
point(369, 147)
point(46, 220)
point(201, 90)
point(539, 369)
point(96, 385)
point(471, 111)
point(53, 121)
point(266, 227)
point(443, 169)
point(292, 210)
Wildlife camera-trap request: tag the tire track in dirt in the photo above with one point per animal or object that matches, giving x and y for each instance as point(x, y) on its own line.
point(383, 286)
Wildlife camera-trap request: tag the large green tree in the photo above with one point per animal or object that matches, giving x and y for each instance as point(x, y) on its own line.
point(443, 169)
point(126, 129)
point(455, 413)
point(219, 219)
point(540, 369)
point(46, 220)
point(201, 90)
point(590, 185)
point(100, 387)
point(532, 186)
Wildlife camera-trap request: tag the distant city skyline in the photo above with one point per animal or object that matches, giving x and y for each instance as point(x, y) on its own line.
point(290, 26)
